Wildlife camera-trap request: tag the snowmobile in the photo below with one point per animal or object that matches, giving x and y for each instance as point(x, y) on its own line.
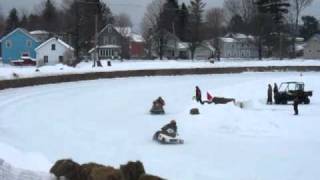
point(157, 107)
point(157, 110)
point(165, 138)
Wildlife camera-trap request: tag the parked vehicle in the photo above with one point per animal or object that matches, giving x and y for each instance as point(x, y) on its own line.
point(288, 91)
point(25, 60)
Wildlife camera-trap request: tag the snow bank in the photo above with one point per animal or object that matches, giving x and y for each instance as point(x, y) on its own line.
point(8, 172)
point(7, 71)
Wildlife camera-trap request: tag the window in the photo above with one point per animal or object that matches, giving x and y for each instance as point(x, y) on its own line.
point(53, 47)
point(113, 39)
point(29, 43)
point(105, 40)
point(45, 59)
point(109, 29)
point(8, 43)
point(60, 59)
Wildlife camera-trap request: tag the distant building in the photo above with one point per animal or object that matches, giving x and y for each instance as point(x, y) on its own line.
point(18, 43)
point(312, 48)
point(204, 52)
point(238, 46)
point(41, 35)
point(137, 46)
point(176, 49)
point(54, 51)
point(119, 43)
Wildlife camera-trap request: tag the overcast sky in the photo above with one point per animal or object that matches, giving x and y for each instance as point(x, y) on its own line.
point(135, 8)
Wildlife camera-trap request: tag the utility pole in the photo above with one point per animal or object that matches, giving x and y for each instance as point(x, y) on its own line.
point(96, 50)
point(175, 39)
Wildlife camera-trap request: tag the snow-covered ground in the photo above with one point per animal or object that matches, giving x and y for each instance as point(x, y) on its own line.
point(107, 121)
point(7, 71)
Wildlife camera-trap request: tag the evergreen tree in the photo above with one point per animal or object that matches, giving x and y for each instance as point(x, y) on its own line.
point(34, 22)
point(277, 10)
point(237, 25)
point(24, 22)
point(12, 21)
point(169, 16)
point(2, 24)
point(79, 22)
point(195, 24)
point(50, 17)
point(310, 27)
point(183, 22)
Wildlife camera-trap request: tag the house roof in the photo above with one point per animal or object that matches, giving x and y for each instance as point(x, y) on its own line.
point(57, 40)
point(39, 32)
point(317, 36)
point(127, 31)
point(21, 30)
point(136, 37)
point(109, 46)
point(227, 40)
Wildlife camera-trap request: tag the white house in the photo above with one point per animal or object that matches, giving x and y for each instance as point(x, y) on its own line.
point(238, 46)
point(54, 51)
point(204, 52)
point(312, 48)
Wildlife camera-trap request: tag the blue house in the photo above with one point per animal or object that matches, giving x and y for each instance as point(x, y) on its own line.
point(17, 43)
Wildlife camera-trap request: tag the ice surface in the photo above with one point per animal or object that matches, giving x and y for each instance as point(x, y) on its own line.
point(108, 121)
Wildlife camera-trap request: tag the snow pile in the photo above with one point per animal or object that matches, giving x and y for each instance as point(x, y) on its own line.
point(108, 122)
point(6, 71)
point(8, 172)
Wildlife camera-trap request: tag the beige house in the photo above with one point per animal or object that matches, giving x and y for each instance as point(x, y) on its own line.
point(312, 48)
point(238, 46)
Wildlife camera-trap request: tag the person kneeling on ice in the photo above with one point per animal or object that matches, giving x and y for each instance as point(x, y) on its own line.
point(168, 134)
point(170, 129)
point(157, 106)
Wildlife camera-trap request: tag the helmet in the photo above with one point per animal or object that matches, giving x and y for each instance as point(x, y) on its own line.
point(173, 121)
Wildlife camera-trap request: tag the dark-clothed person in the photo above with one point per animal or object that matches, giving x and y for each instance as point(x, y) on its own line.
point(295, 106)
point(170, 129)
point(269, 100)
point(198, 94)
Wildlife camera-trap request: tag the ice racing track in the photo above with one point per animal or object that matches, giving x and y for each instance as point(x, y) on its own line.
point(107, 121)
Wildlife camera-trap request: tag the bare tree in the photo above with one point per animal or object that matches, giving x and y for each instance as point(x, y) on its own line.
point(124, 25)
point(215, 21)
point(2, 22)
point(297, 6)
point(150, 27)
point(244, 8)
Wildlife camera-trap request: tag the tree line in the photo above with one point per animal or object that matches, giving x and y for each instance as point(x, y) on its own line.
point(274, 24)
point(74, 21)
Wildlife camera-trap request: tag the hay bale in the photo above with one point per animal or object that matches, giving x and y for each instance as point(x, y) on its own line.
point(87, 169)
point(67, 168)
point(132, 170)
point(104, 173)
point(194, 111)
point(149, 177)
